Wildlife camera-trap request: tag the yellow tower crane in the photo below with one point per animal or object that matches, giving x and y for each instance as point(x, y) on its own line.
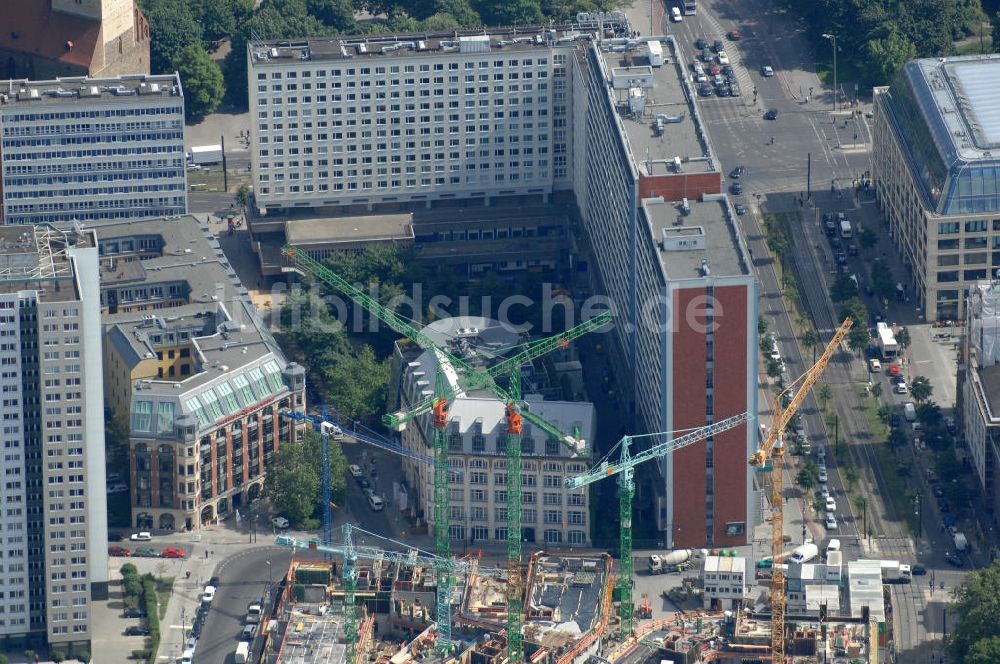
point(773, 450)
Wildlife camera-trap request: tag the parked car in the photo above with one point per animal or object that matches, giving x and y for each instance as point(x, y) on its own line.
point(700, 43)
point(831, 522)
point(137, 630)
point(766, 71)
point(874, 365)
point(734, 35)
point(918, 570)
point(737, 188)
point(823, 477)
point(723, 58)
point(146, 553)
point(717, 45)
point(954, 561)
point(249, 631)
point(279, 522)
point(772, 114)
point(364, 484)
point(171, 552)
point(119, 551)
point(355, 470)
point(738, 172)
point(741, 209)
point(143, 536)
point(705, 90)
point(208, 595)
point(134, 613)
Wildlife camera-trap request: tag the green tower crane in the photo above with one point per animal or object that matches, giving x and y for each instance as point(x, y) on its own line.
point(624, 468)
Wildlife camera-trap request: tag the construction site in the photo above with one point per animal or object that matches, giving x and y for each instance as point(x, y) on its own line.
point(394, 603)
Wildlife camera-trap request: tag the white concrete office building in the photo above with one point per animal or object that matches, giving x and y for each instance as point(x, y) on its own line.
point(92, 150)
point(54, 526)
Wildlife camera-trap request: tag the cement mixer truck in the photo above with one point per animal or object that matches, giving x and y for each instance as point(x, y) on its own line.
point(673, 561)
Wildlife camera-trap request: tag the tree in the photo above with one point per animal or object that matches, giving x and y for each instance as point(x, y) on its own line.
point(460, 10)
point(976, 607)
point(903, 338)
point(808, 476)
point(823, 393)
point(761, 326)
point(985, 651)
point(809, 339)
point(201, 79)
point(843, 289)
point(896, 439)
point(217, 17)
point(774, 367)
point(882, 282)
point(294, 479)
point(358, 384)
point(876, 390)
point(885, 413)
point(921, 389)
point(172, 26)
point(243, 196)
point(509, 12)
point(857, 338)
point(885, 56)
point(337, 14)
point(996, 32)
point(867, 239)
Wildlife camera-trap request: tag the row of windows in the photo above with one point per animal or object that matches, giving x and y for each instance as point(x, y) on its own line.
point(482, 534)
point(49, 194)
point(86, 140)
point(87, 166)
point(575, 518)
point(409, 182)
point(9, 118)
point(395, 69)
point(88, 128)
point(106, 177)
point(142, 207)
point(130, 151)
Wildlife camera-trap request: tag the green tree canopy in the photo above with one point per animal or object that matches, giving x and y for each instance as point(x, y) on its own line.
point(885, 56)
point(984, 651)
point(172, 26)
point(201, 79)
point(903, 338)
point(808, 476)
point(336, 14)
point(509, 12)
point(857, 338)
point(843, 289)
point(976, 608)
point(867, 239)
point(357, 384)
point(882, 282)
point(921, 389)
point(294, 479)
point(219, 18)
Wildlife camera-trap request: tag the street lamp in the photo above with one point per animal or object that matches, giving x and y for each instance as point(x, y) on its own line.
point(833, 38)
point(268, 563)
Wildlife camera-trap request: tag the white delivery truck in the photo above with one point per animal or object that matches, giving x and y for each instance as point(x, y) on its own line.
point(845, 228)
point(895, 572)
point(242, 653)
point(662, 563)
point(961, 543)
point(205, 154)
point(804, 553)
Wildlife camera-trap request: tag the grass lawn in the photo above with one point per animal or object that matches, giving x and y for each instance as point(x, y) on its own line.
point(897, 483)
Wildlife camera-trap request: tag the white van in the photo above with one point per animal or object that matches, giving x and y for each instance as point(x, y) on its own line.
point(804, 553)
point(375, 502)
point(242, 653)
point(675, 15)
point(187, 657)
point(833, 545)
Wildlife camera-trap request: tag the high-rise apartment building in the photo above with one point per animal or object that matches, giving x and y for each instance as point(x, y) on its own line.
point(936, 167)
point(54, 523)
point(194, 371)
point(360, 121)
point(92, 149)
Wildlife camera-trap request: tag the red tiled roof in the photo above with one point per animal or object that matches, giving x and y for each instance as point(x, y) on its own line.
point(45, 33)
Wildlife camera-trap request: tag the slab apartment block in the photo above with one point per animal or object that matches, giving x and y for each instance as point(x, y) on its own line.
point(53, 529)
point(93, 150)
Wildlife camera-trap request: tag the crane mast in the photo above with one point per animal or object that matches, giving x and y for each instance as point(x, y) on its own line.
point(773, 450)
point(624, 468)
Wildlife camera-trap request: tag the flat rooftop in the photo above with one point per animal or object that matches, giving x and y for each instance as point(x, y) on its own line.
point(311, 639)
point(36, 257)
point(369, 228)
point(962, 94)
point(661, 92)
point(704, 235)
point(22, 92)
point(215, 312)
point(362, 48)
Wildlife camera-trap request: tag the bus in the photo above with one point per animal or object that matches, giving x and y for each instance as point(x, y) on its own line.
point(690, 7)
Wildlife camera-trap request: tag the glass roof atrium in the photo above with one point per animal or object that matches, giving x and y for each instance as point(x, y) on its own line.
point(947, 113)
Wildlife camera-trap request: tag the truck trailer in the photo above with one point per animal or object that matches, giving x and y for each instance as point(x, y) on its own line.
point(886, 341)
point(205, 154)
point(895, 572)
